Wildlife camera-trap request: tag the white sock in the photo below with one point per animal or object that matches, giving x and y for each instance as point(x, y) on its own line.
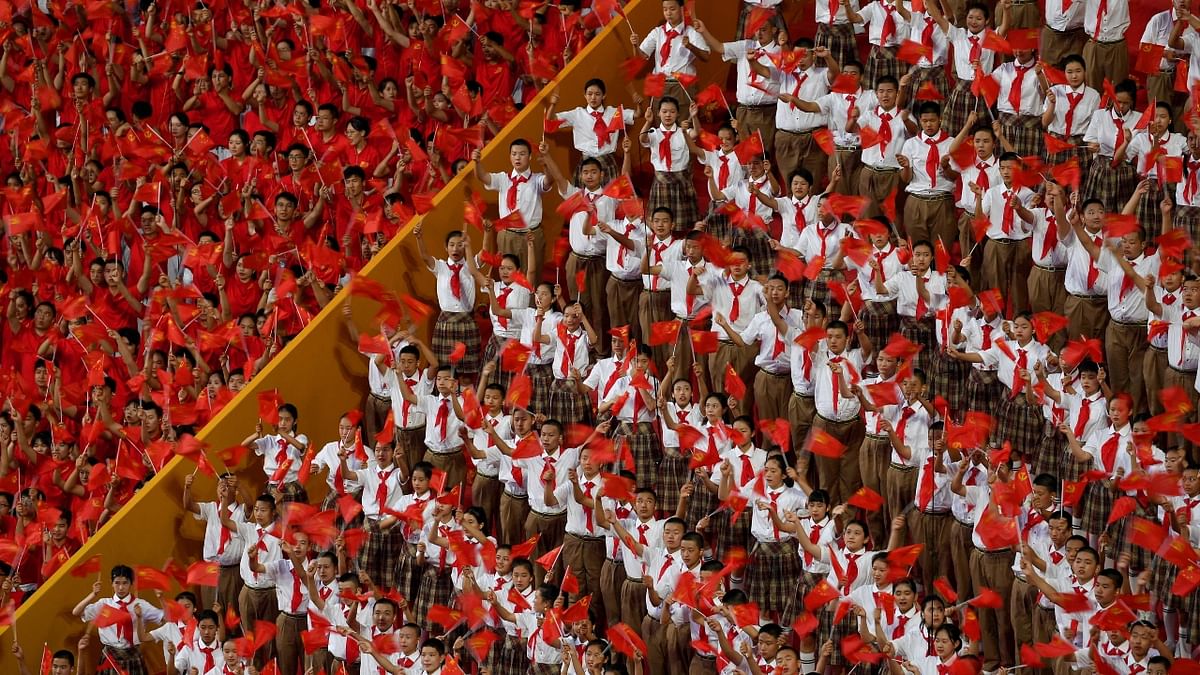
point(1171, 626)
point(808, 662)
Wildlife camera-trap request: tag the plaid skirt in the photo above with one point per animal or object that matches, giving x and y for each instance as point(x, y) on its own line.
point(735, 534)
point(567, 404)
point(1139, 558)
point(1025, 133)
point(1095, 505)
point(609, 169)
point(1162, 578)
point(452, 328)
point(674, 190)
point(797, 292)
point(380, 553)
point(1148, 214)
point(672, 474)
point(936, 75)
point(129, 660)
point(985, 391)
point(744, 15)
point(1053, 457)
point(1187, 218)
point(702, 503)
point(758, 242)
point(882, 61)
point(542, 378)
point(772, 577)
point(948, 379)
point(1080, 153)
point(645, 447)
point(717, 224)
point(491, 353)
point(1020, 423)
point(508, 657)
point(408, 572)
point(839, 39)
point(881, 321)
point(828, 630)
point(921, 333)
point(818, 291)
point(293, 492)
point(1111, 185)
point(437, 588)
point(959, 105)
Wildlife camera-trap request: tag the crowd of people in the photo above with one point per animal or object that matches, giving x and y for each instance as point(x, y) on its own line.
point(883, 359)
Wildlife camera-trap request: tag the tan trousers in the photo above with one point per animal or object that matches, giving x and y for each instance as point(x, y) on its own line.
point(485, 493)
point(453, 463)
point(851, 163)
point(654, 634)
point(802, 410)
point(771, 394)
point(934, 530)
point(633, 606)
point(550, 530)
point(877, 184)
point(592, 298)
point(621, 298)
point(612, 578)
point(873, 459)
point(994, 570)
point(960, 553)
point(1125, 359)
point(1106, 60)
point(975, 250)
point(375, 413)
point(513, 512)
point(757, 118)
point(798, 150)
point(742, 360)
point(1046, 291)
point(677, 648)
point(926, 218)
point(899, 490)
point(512, 242)
point(1154, 364)
point(840, 476)
point(1021, 608)
point(290, 654)
point(1006, 266)
point(256, 605)
point(1057, 45)
point(1086, 316)
point(586, 557)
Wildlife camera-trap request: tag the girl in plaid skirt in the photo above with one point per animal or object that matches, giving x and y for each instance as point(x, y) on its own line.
point(714, 442)
point(739, 468)
point(671, 146)
point(948, 377)
point(408, 567)
point(674, 470)
point(434, 553)
point(508, 656)
point(774, 564)
point(959, 106)
point(1151, 152)
point(1109, 451)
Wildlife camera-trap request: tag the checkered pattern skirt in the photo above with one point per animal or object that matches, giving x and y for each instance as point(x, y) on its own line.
point(491, 354)
point(1148, 214)
point(1019, 422)
point(881, 321)
point(828, 630)
point(1053, 457)
point(1139, 558)
point(797, 292)
point(771, 578)
point(408, 572)
point(672, 474)
point(1162, 578)
point(293, 492)
point(936, 75)
point(702, 503)
point(948, 379)
point(882, 61)
point(1025, 133)
point(129, 660)
point(1111, 185)
point(985, 391)
point(818, 291)
point(921, 333)
point(1095, 505)
point(437, 588)
point(735, 534)
point(718, 225)
point(568, 404)
point(1080, 153)
point(452, 328)
point(758, 242)
point(839, 39)
point(959, 105)
point(675, 191)
point(508, 657)
point(645, 447)
point(542, 378)
point(380, 552)
point(1188, 218)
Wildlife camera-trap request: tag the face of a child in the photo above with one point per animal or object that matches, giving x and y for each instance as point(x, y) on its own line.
point(931, 123)
point(672, 12)
point(456, 248)
point(120, 586)
point(384, 616)
point(976, 20)
point(739, 265)
point(445, 382)
point(854, 536)
point(644, 504)
point(727, 138)
point(1084, 566)
point(521, 578)
point(409, 638)
point(672, 535)
point(667, 113)
point(922, 256)
point(879, 570)
point(1118, 413)
point(518, 156)
point(836, 338)
point(594, 97)
point(263, 513)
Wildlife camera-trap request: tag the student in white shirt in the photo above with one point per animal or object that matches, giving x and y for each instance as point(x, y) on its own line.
point(887, 27)
point(671, 147)
point(408, 419)
point(929, 209)
point(119, 640)
point(1007, 257)
point(737, 297)
point(294, 586)
point(282, 453)
point(1153, 151)
point(443, 414)
point(220, 544)
point(673, 47)
point(520, 191)
point(1020, 104)
point(966, 27)
point(755, 94)
point(1068, 111)
point(1109, 131)
point(891, 127)
point(382, 483)
point(591, 128)
point(456, 298)
point(571, 338)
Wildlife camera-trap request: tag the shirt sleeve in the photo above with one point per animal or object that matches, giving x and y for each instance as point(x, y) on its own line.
point(493, 181)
